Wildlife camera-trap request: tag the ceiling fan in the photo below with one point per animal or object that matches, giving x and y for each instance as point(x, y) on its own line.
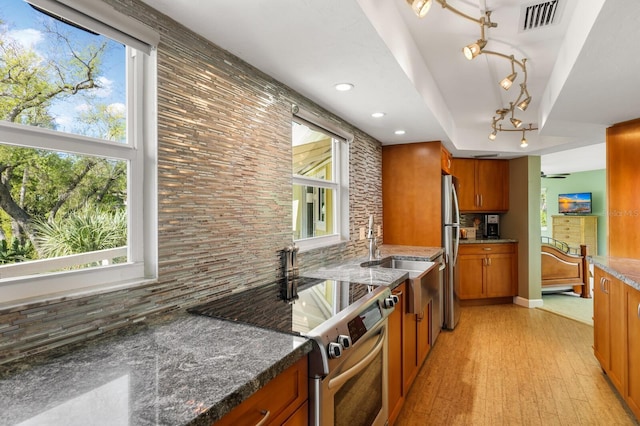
point(554, 176)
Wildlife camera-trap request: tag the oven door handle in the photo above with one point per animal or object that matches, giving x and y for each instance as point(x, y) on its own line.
point(340, 380)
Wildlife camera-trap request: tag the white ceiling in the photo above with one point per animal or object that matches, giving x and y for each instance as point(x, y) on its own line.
point(580, 73)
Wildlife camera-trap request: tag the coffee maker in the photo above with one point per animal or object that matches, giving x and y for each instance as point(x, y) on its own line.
point(492, 226)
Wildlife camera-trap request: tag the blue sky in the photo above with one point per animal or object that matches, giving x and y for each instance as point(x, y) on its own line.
point(23, 24)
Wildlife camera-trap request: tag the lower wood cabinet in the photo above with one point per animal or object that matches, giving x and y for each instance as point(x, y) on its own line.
point(616, 335)
point(632, 394)
point(416, 343)
point(487, 270)
point(396, 333)
point(608, 329)
point(282, 401)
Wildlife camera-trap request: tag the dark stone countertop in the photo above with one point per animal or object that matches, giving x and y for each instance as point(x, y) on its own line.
point(179, 369)
point(626, 270)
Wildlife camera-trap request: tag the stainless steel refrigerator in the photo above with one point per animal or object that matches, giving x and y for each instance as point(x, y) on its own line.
point(450, 242)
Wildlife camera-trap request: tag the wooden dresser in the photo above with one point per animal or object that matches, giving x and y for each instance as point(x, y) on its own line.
point(577, 230)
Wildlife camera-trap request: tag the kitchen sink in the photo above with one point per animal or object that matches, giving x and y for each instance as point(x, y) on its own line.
point(406, 265)
point(421, 279)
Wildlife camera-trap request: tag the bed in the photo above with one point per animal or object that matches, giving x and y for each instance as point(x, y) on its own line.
point(563, 269)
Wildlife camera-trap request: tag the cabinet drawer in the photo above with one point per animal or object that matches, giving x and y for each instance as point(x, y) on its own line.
point(278, 399)
point(487, 248)
point(567, 228)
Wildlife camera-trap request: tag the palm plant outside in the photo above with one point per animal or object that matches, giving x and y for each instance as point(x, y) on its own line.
point(56, 203)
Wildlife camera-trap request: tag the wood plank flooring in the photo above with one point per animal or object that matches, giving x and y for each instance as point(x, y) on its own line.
point(508, 365)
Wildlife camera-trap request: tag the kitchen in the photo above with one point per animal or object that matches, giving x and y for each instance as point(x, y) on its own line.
point(248, 219)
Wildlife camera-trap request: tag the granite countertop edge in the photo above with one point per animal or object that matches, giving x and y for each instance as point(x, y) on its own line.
point(626, 270)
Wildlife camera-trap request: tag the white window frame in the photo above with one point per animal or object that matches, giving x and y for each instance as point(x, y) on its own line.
point(140, 152)
point(340, 183)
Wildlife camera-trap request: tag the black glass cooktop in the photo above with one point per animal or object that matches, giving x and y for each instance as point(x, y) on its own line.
point(289, 306)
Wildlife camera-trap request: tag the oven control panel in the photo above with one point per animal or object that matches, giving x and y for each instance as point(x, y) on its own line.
point(342, 332)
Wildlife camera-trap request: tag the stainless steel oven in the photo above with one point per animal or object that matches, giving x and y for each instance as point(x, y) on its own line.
point(348, 325)
point(351, 389)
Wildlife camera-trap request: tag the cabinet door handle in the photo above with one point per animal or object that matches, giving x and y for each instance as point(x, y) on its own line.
point(481, 200)
point(638, 310)
point(486, 248)
point(489, 261)
point(265, 417)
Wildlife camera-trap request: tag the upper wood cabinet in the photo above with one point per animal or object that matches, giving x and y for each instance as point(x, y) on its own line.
point(483, 185)
point(623, 189)
point(411, 194)
point(446, 160)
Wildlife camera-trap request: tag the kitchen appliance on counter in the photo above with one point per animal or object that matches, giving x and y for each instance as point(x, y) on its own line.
point(348, 367)
point(492, 226)
point(450, 242)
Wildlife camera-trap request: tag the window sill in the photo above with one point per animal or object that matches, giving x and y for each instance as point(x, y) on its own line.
point(319, 242)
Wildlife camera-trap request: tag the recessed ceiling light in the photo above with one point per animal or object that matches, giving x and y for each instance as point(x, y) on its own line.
point(378, 114)
point(343, 87)
point(400, 132)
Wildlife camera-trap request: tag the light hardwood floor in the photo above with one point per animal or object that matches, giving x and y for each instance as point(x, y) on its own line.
point(508, 365)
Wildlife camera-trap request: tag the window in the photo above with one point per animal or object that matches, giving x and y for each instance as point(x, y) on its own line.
point(77, 149)
point(320, 184)
point(543, 209)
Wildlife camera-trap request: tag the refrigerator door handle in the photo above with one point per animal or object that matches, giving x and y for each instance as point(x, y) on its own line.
point(456, 225)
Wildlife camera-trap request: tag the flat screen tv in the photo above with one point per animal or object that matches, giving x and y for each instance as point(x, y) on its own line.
point(574, 203)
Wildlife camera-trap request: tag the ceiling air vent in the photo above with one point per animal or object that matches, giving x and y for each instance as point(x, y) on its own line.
point(539, 15)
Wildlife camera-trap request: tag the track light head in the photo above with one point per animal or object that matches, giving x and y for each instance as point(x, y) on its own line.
point(420, 7)
point(474, 49)
point(523, 141)
point(516, 123)
point(508, 81)
point(492, 135)
point(522, 106)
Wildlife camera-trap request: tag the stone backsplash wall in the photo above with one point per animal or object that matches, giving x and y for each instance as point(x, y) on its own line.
point(224, 166)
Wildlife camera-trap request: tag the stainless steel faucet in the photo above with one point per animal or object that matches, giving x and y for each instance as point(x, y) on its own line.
point(373, 243)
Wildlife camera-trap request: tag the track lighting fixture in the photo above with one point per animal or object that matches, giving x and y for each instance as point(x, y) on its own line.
point(524, 104)
point(474, 49)
point(471, 51)
point(420, 7)
point(508, 80)
point(523, 141)
point(516, 122)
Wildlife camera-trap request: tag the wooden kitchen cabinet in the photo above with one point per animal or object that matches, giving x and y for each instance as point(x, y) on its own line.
point(633, 350)
point(608, 330)
point(284, 399)
point(411, 194)
point(416, 343)
point(396, 354)
point(483, 185)
point(616, 334)
point(487, 271)
point(577, 231)
point(623, 189)
point(446, 160)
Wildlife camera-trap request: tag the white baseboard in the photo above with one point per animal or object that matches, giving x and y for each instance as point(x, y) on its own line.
point(527, 303)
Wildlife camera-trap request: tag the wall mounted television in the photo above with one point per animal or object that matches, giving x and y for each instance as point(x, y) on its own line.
point(575, 203)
